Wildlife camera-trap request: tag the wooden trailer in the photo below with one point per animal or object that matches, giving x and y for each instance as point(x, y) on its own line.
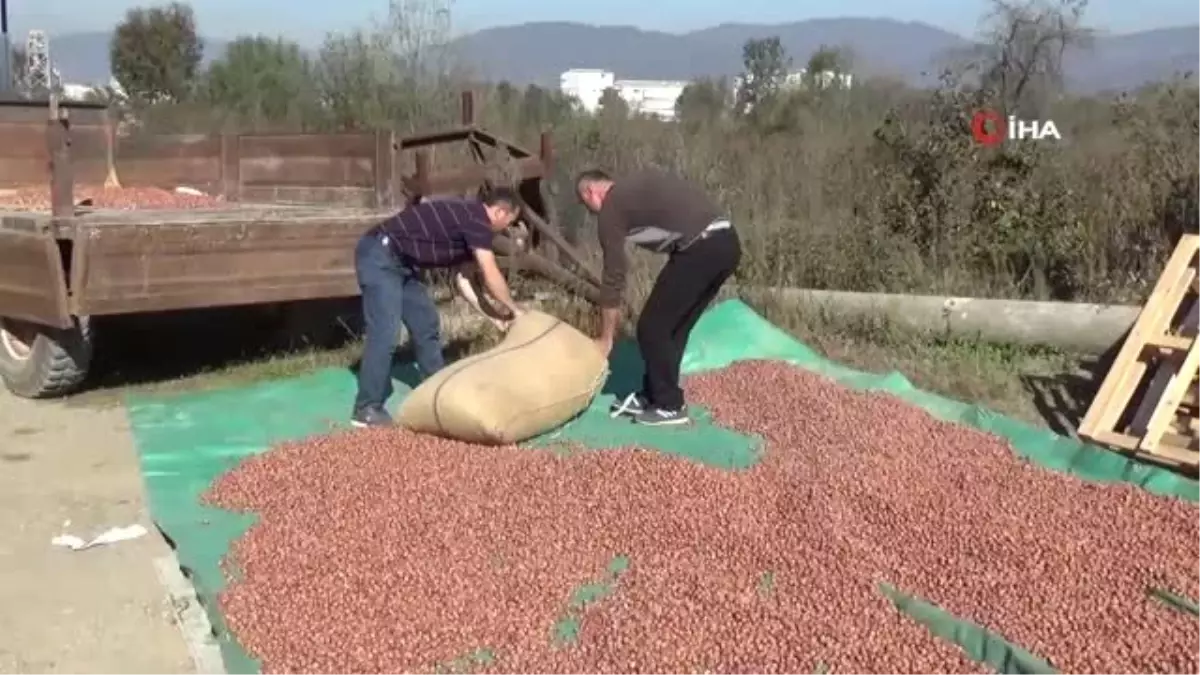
point(263, 244)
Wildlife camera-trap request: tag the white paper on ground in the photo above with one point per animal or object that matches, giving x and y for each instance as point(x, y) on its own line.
point(110, 536)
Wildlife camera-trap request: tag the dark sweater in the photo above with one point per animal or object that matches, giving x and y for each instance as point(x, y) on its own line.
point(655, 210)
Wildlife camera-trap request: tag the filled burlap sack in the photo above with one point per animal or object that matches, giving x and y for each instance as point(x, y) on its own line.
point(541, 375)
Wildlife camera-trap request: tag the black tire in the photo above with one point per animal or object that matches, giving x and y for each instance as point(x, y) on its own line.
point(44, 362)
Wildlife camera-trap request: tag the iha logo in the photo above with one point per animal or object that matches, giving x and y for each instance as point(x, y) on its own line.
point(989, 127)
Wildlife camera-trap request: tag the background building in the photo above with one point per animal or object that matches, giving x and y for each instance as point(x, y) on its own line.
point(586, 85)
point(647, 97)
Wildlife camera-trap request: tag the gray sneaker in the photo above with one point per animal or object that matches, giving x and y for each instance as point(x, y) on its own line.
point(661, 417)
point(370, 417)
point(631, 406)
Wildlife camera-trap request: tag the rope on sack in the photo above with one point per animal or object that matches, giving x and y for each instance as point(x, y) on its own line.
point(586, 395)
point(480, 358)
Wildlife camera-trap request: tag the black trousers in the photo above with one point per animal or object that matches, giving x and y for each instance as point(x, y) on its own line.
point(687, 283)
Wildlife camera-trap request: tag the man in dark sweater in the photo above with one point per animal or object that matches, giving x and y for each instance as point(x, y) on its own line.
point(439, 233)
point(665, 214)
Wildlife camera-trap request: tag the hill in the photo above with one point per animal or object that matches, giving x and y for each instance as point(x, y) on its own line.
point(539, 52)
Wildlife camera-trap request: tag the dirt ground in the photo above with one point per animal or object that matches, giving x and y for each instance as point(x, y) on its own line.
point(99, 610)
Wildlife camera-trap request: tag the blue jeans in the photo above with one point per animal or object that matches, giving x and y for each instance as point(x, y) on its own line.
point(392, 294)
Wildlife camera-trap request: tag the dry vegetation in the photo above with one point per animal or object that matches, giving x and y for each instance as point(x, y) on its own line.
point(878, 187)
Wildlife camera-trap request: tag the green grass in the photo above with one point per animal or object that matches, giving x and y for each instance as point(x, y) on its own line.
point(1010, 379)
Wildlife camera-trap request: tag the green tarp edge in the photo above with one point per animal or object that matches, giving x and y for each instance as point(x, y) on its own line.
point(1174, 600)
point(185, 441)
point(979, 643)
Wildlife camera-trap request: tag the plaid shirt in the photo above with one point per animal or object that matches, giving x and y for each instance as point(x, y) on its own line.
point(439, 233)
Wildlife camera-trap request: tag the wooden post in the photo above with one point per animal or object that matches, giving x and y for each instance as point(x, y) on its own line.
point(385, 169)
point(421, 173)
point(231, 167)
point(111, 179)
point(468, 108)
point(62, 180)
point(547, 193)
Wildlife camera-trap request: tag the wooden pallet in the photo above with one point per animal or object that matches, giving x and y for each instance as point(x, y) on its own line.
point(1158, 366)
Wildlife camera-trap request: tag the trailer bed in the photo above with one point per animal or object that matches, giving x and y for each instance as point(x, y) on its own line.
point(238, 214)
point(103, 262)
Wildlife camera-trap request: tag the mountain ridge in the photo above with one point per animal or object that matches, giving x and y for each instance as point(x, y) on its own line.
point(909, 50)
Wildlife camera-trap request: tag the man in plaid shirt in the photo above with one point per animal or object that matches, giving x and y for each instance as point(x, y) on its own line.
point(430, 234)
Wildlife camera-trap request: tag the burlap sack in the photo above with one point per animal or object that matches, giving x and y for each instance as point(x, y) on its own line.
point(541, 375)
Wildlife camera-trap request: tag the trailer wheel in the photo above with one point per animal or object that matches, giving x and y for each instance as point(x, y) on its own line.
point(42, 362)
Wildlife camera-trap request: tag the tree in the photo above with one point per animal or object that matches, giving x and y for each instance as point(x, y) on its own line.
point(542, 107)
point(155, 53)
point(401, 74)
point(612, 106)
point(765, 67)
point(506, 94)
point(826, 59)
point(1025, 42)
point(262, 80)
point(18, 64)
point(702, 102)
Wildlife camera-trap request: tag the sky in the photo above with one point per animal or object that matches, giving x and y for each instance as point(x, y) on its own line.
point(307, 22)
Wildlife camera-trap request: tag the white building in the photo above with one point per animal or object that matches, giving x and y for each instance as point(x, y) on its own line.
point(648, 97)
point(798, 79)
point(651, 97)
point(586, 85)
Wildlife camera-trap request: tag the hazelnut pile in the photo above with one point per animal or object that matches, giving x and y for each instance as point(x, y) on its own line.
point(123, 199)
point(384, 551)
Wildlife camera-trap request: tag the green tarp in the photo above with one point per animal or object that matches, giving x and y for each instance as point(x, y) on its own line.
point(185, 441)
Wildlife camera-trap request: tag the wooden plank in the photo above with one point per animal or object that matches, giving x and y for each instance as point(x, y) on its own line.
point(385, 169)
point(1170, 399)
point(1127, 368)
point(62, 178)
point(169, 173)
point(318, 195)
point(497, 142)
point(435, 138)
point(239, 214)
point(32, 287)
point(468, 178)
point(308, 145)
point(308, 171)
point(24, 172)
point(28, 141)
point(174, 146)
point(1166, 370)
point(37, 112)
point(252, 292)
point(36, 172)
point(229, 168)
point(560, 241)
point(1176, 343)
point(1127, 443)
point(142, 268)
point(538, 264)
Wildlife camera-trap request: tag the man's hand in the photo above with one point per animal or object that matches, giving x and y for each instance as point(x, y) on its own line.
point(603, 345)
point(493, 280)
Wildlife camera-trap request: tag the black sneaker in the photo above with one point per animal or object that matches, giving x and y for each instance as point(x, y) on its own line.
point(371, 417)
point(632, 405)
point(660, 417)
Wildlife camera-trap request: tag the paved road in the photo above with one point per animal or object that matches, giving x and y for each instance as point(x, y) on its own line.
point(100, 610)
